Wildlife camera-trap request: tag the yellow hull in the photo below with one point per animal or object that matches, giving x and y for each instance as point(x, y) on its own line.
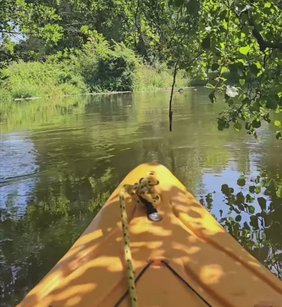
point(186, 259)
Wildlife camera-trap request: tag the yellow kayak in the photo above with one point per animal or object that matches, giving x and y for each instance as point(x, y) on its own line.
point(181, 256)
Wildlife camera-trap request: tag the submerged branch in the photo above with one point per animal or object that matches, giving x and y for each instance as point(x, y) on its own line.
point(171, 96)
point(170, 114)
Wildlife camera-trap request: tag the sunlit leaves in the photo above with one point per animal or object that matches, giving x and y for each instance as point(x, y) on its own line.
point(244, 50)
point(240, 34)
point(267, 5)
point(277, 123)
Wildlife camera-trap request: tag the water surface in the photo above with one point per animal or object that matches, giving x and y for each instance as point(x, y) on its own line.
point(50, 149)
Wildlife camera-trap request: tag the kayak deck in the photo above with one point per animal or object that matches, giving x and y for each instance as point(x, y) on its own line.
point(187, 258)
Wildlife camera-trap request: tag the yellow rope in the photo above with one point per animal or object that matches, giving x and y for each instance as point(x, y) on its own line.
point(127, 250)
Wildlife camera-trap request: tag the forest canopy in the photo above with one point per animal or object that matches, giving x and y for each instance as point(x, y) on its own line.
point(235, 46)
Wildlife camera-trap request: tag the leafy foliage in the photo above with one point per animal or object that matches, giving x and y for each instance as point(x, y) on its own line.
point(31, 79)
point(234, 44)
point(253, 217)
point(245, 51)
point(20, 20)
point(106, 68)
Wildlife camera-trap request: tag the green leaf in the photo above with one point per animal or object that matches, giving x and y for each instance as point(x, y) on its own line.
point(267, 5)
point(249, 198)
point(251, 209)
point(244, 50)
point(277, 123)
point(222, 45)
point(262, 203)
point(242, 82)
point(224, 70)
point(258, 190)
point(252, 189)
point(241, 182)
point(240, 197)
point(238, 218)
point(225, 189)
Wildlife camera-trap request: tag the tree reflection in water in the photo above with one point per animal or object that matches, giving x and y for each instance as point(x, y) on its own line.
point(254, 217)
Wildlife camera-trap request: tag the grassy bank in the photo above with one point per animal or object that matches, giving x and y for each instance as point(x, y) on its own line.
point(94, 69)
point(22, 80)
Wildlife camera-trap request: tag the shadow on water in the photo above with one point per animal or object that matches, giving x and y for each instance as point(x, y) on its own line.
point(46, 207)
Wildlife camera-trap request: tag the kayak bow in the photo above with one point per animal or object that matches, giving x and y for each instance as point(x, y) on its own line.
point(185, 259)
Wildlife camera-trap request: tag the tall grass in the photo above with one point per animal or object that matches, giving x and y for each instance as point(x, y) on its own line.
point(22, 80)
point(148, 78)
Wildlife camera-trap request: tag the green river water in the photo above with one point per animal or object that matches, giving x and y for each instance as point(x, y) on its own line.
point(50, 149)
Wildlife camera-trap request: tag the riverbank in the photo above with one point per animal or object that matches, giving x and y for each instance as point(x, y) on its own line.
point(107, 93)
point(84, 74)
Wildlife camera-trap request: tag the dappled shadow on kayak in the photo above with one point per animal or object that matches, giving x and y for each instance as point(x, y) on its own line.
point(186, 247)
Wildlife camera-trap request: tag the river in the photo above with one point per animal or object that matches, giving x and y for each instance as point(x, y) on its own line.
point(60, 160)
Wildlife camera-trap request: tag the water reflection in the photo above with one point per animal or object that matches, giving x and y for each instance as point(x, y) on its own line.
point(84, 146)
point(252, 215)
point(18, 168)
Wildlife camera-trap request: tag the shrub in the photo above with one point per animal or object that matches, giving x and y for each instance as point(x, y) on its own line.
point(107, 68)
point(29, 79)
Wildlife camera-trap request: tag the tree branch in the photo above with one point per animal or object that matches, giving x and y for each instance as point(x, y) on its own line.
point(263, 44)
point(170, 114)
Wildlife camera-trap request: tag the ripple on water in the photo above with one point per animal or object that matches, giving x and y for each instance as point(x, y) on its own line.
point(17, 156)
point(17, 164)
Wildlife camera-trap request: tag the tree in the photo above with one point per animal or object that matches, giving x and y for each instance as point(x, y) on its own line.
point(243, 48)
point(237, 44)
point(21, 20)
point(169, 29)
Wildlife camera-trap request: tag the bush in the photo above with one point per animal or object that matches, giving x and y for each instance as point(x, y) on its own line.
point(97, 67)
point(107, 68)
point(29, 79)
